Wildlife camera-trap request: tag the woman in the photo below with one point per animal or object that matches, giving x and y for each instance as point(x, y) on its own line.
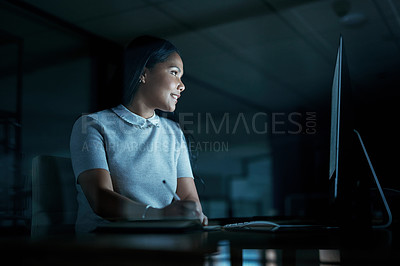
point(121, 156)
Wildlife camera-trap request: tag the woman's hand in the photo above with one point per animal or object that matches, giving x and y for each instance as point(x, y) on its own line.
point(204, 219)
point(182, 208)
point(189, 207)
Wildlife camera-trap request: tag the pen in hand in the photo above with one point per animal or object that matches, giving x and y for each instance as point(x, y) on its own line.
point(189, 210)
point(176, 197)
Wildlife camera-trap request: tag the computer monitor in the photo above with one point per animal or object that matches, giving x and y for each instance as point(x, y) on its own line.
point(350, 169)
point(341, 115)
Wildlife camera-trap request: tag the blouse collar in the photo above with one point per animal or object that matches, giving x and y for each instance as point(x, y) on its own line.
point(134, 119)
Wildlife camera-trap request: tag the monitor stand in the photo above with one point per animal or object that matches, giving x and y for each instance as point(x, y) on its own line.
point(389, 214)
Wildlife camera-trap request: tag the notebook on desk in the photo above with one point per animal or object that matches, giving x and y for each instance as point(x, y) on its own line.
point(148, 226)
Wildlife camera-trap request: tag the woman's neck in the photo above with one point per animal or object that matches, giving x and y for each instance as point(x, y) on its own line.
point(140, 108)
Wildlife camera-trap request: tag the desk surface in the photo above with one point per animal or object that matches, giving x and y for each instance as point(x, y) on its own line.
point(310, 247)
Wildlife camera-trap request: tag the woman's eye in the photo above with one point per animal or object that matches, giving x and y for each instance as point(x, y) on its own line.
point(174, 73)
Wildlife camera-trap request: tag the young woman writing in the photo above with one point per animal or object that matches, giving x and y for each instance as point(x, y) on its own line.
point(122, 155)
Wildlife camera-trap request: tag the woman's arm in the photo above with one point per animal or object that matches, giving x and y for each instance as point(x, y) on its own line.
point(186, 190)
point(108, 204)
point(105, 202)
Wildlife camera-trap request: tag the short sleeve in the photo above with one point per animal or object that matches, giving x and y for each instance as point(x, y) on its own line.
point(184, 168)
point(87, 146)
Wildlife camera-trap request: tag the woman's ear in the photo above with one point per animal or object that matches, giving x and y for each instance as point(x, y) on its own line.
point(143, 76)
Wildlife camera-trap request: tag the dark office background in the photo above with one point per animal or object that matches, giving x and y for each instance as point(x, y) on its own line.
point(258, 77)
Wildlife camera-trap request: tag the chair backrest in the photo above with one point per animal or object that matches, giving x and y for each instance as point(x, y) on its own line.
point(54, 203)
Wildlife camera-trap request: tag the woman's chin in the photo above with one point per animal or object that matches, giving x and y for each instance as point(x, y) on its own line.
point(169, 109)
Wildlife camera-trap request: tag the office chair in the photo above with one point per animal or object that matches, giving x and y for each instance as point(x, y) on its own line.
point(54, 203)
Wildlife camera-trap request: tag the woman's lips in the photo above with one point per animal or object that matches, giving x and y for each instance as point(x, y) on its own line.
point(175, 96)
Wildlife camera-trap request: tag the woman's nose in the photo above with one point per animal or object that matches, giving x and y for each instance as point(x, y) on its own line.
point(181, 86)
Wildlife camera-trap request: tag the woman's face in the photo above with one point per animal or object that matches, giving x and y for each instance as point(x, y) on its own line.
point(161, 85)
